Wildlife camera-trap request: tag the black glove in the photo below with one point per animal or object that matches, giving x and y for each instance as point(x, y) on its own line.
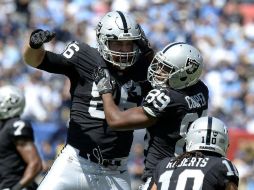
point(144, 44)
point(103, 81)
point(17, 187)
point(38, 37)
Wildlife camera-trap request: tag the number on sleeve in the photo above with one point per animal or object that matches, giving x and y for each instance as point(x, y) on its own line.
point(160, 99)
point(19, 125)
point(186, 174)
point(70, 50)
point(231, 168)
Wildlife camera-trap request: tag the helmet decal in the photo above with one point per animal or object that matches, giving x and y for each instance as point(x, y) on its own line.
point(193, 64)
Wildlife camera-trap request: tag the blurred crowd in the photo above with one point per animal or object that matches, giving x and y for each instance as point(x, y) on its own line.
point(220, 29)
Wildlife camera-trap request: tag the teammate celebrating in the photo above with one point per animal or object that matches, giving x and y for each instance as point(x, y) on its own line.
point(204, 163)
point(178, 98)
point(95, 155)
point(19, 160)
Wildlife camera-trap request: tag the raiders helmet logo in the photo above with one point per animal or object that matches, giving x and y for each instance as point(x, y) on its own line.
point(13, 100)
point(194, 66)
point(215, 133)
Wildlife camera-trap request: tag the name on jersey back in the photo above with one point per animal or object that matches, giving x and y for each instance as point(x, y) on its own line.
point(193, 162)
point(196, 101)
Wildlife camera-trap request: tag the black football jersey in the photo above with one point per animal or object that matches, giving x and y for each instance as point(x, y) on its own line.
point(88, 128)
point(208, 173)
point(175, 110)
point(12, 165)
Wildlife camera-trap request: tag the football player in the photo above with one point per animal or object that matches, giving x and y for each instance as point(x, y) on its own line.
point(177, 99)
point(204, 165)
point(20, 162)
point(95, 155)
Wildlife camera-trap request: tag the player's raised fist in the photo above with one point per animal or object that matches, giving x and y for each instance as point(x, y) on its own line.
point(38, 37)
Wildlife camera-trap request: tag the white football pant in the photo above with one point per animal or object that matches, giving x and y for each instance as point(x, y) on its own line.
point(72, 172)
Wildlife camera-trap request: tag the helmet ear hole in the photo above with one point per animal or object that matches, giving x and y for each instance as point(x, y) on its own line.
point(183, 79)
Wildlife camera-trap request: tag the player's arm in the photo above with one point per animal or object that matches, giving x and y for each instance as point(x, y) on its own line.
point(30, 156)
point(231, 186)
point(34, 51)
point(134, 118)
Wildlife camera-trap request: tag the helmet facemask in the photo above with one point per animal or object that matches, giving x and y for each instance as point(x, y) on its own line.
point(120, 59)
point(159, 72)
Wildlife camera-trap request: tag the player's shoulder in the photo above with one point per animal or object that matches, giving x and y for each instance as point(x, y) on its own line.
point(201, 85)
point(219, 159)
point(20, 127)
point(157, 94)
point(12, 121)
point(83, 55)
point(223, 163)
point(226, 168)
point(157, 100)
point(226, 162)
point(87, 49)
point(78, 47)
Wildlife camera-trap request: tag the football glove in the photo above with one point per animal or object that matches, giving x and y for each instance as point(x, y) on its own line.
point(38, 37)
point(103, 81)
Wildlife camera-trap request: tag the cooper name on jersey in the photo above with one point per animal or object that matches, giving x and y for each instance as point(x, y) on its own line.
point(196, 101)
point(193, 162)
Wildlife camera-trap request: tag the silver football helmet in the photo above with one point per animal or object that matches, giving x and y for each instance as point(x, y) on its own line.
point(118, 26)
point(178, 65)
point(12, 102)
point(209, 134)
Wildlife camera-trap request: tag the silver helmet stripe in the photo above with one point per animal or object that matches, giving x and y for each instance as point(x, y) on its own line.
point(124, 21)
point(173, 44)
point(209, 131)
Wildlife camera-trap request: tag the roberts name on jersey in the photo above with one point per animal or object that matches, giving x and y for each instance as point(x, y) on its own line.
point(193, 162)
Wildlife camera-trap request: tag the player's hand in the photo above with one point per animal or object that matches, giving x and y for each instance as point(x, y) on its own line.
point(144, 45)
point(104, 82)
point(17, 187)
point(38, 37)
